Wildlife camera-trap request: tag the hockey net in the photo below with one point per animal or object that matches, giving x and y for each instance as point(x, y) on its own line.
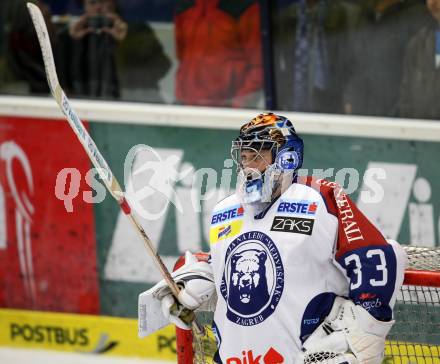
point(415, 337)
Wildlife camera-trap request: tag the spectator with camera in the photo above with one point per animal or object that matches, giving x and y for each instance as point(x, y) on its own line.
point(96, 35)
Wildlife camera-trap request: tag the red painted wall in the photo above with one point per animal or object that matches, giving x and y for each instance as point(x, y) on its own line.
point(47, 255)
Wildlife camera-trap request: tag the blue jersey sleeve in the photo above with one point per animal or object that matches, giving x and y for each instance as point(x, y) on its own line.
point(374, 267)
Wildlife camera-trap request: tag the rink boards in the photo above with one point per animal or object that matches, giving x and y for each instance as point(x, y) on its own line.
point(111, 336)
point(102, 335)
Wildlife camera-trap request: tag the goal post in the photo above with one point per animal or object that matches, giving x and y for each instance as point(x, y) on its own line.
point(414, 339)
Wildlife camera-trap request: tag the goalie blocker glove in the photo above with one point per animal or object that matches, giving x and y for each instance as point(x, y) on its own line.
point(348, 334)
point(158, 307)
point(197, 291)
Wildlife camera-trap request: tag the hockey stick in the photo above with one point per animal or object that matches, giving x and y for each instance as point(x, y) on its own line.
point(87, 142)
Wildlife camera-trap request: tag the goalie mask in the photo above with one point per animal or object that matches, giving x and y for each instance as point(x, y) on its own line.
point(267, 153)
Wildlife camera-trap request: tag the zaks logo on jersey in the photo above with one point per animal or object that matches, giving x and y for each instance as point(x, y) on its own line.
point(290, 224)
point(226, 223)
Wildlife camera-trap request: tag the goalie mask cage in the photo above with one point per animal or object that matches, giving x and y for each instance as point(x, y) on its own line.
point(414, 338)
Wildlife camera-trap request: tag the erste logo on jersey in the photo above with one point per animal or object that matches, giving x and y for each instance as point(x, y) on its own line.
point(298, 207)
point(253, 278)
point(227, 214)
point(226, 223)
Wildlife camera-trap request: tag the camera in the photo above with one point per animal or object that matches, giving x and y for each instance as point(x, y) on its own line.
point(97, 22)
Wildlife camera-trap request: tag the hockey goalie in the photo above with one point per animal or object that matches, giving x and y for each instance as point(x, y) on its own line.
point(296, 273)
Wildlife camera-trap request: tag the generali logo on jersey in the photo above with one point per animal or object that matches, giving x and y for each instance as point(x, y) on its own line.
point(345, 212)
point(248, 357)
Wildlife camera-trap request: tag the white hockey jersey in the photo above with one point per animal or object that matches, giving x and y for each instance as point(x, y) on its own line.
point(277, 274)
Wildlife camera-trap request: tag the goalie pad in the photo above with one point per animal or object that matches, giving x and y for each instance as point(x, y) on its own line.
point(157, 306)
point(348, 334)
